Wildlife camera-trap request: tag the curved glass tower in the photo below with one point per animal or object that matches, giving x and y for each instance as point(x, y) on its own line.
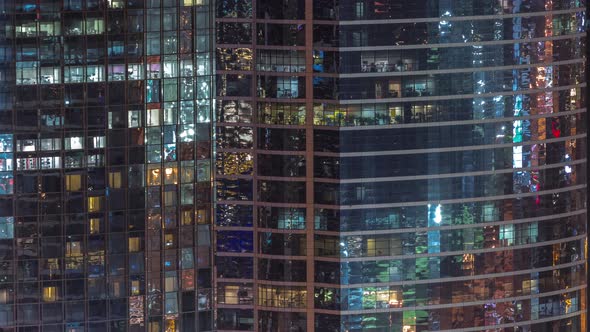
point(401, 165)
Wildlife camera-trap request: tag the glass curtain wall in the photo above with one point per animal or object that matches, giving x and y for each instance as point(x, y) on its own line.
point(105, 158)
point(400, 165)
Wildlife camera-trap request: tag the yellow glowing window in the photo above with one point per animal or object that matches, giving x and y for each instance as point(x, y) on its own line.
point(73, 182)
point(115, 179)
point(50, 294)
point(169, 238)
point(187, 2)
point(202, 216)
point(134, 244)
point(94, 203)
point(371, 247)
point(73, 249)
point(94, 225)
point(135, 287)
point(171, 175)
point(154, 177)
point(231, 294)
point(187, 217)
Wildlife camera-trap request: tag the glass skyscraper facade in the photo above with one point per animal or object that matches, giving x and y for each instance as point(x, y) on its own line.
point(400, 165)
point(105, 156)
point(293, 165)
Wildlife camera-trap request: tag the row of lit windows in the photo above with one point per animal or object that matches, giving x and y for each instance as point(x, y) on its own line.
point(72, 27)
point(28, 6)
point(29, 72)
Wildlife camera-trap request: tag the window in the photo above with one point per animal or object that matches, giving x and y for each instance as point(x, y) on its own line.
point(26, 72)
point(73, 74)
point(153, 117)
point(282, 296)
point(134, 119)
point(50, 294)
point(6, 227)
point(116, 72)
point(134, 244)
point(94, 204)
point(94, 26)
point(134, 71)
point(154, 176)
point(94, 225)
point(74, 143)
point(50, 162)
point(73, 182)
point(50, 75)
point(49, 28)
point(50, 144)
point(135, 287)
point(73, 249)
point(98, 142)
point(169, 241)
point(170, 175)
point(5, 296)
point(115, 180)
point(95, 73)
point(27, 145)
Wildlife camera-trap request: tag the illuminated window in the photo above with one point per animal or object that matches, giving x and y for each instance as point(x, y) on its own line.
point(50, 75)
point(135, 71)
point(231, 294)
point(74, 74)
point(74, 143)
point(171, 175)
point(6, 227)
point(116, 72)
point(4, 296)
point(153, 117)
point(115, 180)
point(187, 217)
point(135, 287)
point(49, 294)
point(73, 182)
point(134, 244)
point(134, 119)
point(171, 284)
point(169, 240)
point(73, 249)
point(94, 225)
point(202, 216)
point(94, 204)
point(188, 280)
point(95, 73)
point(94, 26)
point(282, 297)
point(98, 142)
point(154, 176)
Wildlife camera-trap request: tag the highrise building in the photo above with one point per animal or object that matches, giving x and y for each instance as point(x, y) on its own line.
point(400, 165)
point(374, 165)
point(105, 154)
